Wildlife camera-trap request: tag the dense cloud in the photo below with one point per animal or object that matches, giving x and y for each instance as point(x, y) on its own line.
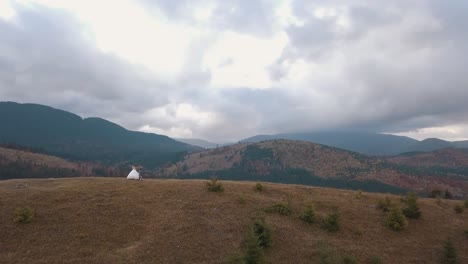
point(45, 58)
point(225, 71)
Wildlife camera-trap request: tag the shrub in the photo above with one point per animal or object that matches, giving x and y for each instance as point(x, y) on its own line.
point(280, 208)
point(466, 233)
point(384, 204)
point(309, 215)
point(236, 258)
point(435, 193)
point(214, 186)
point(465, 204)
point(241, 200)
point(458, 208)
point(449, 253)
point(332, 222)
point(258, 187)
point(326, 256)
point(447, 194)
point(412, 208)
point(396, 219)
point(262, 232)
point(349, 260)
point(375, 260)
point(24, 215)
point(359, 195)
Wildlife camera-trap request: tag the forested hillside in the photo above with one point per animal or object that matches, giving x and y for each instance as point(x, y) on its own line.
point(67, 135)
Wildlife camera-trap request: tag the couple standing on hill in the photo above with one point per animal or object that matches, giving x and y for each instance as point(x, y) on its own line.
point(134, 174)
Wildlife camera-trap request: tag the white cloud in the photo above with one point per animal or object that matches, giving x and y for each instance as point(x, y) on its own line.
point(7, 12)
point(451, 133)
point(249, 58)
point(204, 13)
point(285, 15)
point(177, 120)
point(124, 28)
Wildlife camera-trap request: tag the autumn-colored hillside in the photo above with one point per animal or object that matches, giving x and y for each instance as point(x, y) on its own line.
point(112, 220)
point(36, 159)
point(448, 157)
point(21, 163)
point(313, 164)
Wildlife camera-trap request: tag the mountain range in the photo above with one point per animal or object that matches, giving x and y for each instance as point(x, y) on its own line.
point(199, 142)
point(67, 135)
point(365, 142)
point(40, 141)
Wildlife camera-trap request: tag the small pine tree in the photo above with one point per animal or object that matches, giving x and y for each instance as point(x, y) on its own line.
point(236, 258)
point(326, 255)
point(280, 208)
point(332, 222)
point(448, 194)
point(262, 232)
point(435, 193)
point(449, 254)
point(412, 208)
point(254, 252)
point(309, 215)
point(458, 208)
point(396, 219)
point(214, 186)
point(359, 195)
point(349, 260)
point(258, 187)
point(384, 204)
point(375, 260)
point(24, 215)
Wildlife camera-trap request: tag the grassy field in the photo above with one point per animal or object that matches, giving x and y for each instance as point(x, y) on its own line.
point(113, 220)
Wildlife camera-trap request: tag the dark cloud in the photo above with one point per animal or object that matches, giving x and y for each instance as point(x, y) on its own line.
point(257, 17)
point(396, 72)
point(387, 66)
point(45, 58)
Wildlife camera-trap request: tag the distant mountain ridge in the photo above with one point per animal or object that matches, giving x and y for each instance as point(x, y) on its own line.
point(67, 135)
point(365, 142)
point(198, 142)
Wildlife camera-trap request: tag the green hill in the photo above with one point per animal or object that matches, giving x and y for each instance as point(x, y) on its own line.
point(67, 135)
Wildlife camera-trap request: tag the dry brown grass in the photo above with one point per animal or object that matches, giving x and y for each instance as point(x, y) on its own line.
point(110, 220)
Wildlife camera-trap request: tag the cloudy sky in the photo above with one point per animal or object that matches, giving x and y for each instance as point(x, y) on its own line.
point(226, 70)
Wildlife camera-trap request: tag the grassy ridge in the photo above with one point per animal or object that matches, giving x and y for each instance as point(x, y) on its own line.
point(110, 220)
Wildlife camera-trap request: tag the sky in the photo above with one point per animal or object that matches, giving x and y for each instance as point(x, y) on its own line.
point(227, 70)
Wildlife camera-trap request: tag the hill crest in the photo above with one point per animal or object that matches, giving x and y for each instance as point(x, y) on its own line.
point(109, 220)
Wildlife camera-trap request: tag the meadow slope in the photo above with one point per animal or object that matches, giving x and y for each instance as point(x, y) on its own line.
point(112, 220)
